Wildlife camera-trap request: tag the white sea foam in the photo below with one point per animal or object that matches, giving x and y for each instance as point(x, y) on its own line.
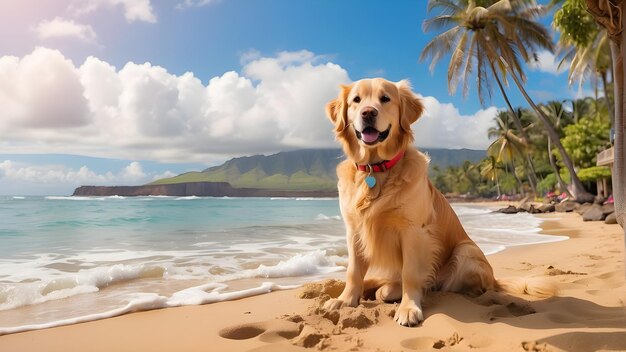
point(321, 217)
point(18, 197)
point(299, 265)
point(188, 198)
point(58, 285)
point(74, 198)
point(44, 284)
point(304, 198)
point(204, 294)
point(316, 198)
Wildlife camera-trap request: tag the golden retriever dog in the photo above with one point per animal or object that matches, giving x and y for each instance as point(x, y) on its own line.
point(401, 232)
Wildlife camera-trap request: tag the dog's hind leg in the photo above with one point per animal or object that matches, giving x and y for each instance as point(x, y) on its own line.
point(467, 271)
point(390, 292)
point(386, 290)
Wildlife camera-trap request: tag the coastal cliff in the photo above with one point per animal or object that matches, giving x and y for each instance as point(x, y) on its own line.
point(200, 189)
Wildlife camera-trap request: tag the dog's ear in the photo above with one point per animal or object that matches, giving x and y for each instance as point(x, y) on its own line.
point(411, 107)
point(337, 109)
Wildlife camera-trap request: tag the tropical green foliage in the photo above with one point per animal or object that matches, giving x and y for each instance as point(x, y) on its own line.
point(548, 184)
point(584, 140)
point(594, 173)
point(492, 39)
point(504, 170)
point(573, 20)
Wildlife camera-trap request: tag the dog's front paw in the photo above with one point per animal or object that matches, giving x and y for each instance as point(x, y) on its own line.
point(336, 303)
point(333, 304)
point(409, 315)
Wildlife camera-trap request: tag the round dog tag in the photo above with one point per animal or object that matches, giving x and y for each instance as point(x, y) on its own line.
point(371, 181)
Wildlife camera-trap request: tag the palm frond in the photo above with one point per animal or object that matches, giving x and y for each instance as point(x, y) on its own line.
point(440, 46)
point(446, 6)
point(456, 61)
point(467, 67)
point(439, 22)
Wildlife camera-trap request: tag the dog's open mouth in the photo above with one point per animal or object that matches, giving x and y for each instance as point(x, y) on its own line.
point(371, 136)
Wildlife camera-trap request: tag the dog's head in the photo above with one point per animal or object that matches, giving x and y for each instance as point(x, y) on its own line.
point(373, 118)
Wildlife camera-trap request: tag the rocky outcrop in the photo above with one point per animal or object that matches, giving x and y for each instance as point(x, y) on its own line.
point(546, 208)
point(200, 189)
point(511, 209)
point(594, 213)
point(611, 219)
point(566, 207)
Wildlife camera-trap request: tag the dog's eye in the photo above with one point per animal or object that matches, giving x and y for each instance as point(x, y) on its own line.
point(384, 99)
point(357, 99)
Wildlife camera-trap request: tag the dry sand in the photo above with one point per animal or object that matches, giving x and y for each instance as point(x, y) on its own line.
point(588, 315)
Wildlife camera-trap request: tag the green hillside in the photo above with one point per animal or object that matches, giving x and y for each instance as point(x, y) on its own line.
point(308, 169)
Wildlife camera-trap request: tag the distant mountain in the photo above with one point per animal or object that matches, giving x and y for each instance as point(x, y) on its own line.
point(308, 169)
point(443, 158)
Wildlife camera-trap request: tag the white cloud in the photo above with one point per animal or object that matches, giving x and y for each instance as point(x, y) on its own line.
point(134, 10)
point(548, 63)
point(443, 126)
point(133, 172)
point(59, 28)
point(41, 94)
point(62, 175)
point(166, 174)
point(141, 111)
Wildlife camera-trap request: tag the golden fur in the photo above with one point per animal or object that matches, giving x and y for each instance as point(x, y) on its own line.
point(402, 232)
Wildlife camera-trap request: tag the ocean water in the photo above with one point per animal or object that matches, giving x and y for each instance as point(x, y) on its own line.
point(70, 259)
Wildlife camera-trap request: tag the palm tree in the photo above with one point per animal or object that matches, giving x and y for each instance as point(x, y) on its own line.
point(489, 168)
point(609, 15)
point(585, 45)
point(508, 146)
point(496, 37)
point(582, 107)
point(556, 110)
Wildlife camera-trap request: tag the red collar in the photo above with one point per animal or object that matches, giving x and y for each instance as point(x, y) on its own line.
point(382, 166)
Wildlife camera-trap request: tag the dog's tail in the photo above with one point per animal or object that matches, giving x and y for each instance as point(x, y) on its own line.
point(533, 286)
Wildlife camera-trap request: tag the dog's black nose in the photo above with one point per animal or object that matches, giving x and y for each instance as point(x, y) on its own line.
point(368, 114)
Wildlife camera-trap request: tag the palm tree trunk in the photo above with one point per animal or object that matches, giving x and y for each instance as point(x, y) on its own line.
point(610, 108)
point(520, 185)
point(619, 167)
point(555, 169)
point(530, 168)
point(498, 184)
point(578, 190)
point(532, 175)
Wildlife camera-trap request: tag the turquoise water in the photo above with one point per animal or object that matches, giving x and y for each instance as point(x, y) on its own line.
point(68, 257)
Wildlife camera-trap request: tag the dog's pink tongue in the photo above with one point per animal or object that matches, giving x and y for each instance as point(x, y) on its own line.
point(369, 135)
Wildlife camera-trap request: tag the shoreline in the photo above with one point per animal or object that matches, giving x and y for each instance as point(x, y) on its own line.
point(589, 268)
point(159, 294)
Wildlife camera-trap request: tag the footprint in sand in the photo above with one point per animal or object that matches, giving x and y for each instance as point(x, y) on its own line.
point(533, 346)
point(267, 332)
point(242, 332)
point(425, 343)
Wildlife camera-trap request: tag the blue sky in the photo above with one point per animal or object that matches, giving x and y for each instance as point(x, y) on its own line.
point(125, 91)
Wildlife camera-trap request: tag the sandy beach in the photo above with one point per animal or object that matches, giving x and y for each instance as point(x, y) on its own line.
point(589, 313)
